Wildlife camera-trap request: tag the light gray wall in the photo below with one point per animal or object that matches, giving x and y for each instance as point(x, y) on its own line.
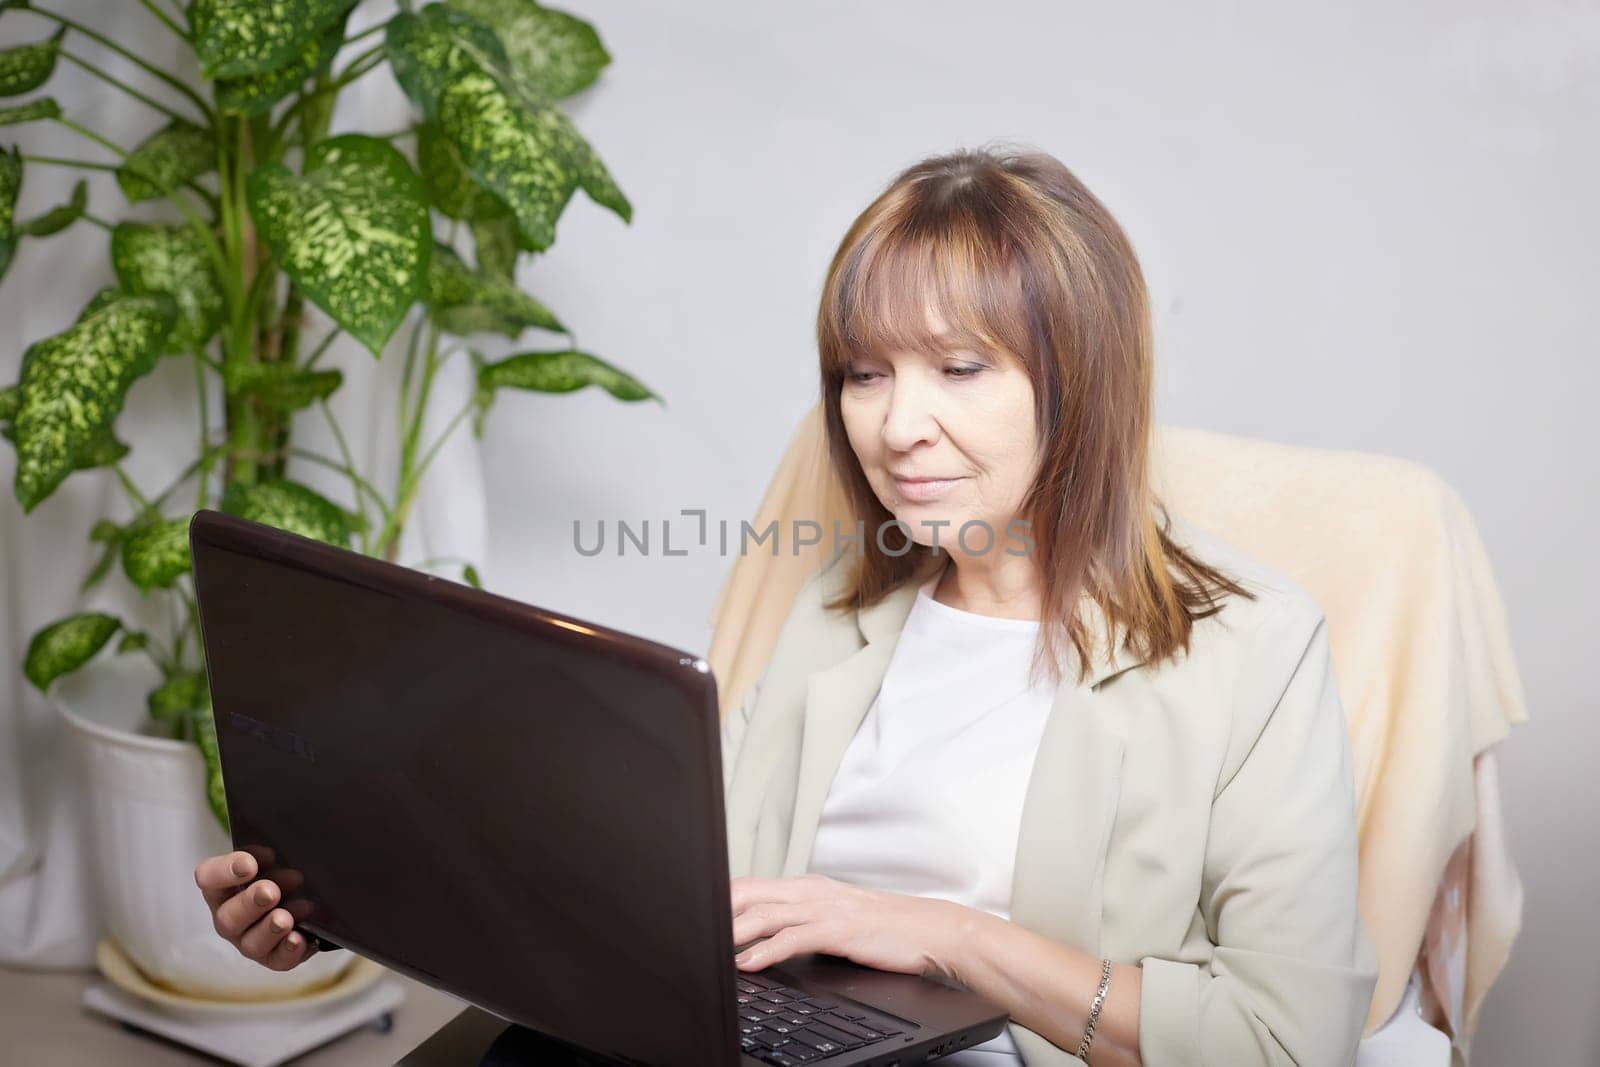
point(1366, 226)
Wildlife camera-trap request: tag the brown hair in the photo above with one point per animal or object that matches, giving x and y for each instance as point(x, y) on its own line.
point(1022, 260)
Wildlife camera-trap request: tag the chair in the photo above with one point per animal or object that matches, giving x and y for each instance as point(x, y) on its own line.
point(1422, 657)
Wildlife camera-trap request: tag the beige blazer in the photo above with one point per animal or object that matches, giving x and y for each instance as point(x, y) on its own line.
point(1196, 817)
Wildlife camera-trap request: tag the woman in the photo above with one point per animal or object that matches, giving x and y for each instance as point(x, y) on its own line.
point(1026, 732)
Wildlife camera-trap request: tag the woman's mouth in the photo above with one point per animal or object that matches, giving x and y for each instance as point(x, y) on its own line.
point(922, 490)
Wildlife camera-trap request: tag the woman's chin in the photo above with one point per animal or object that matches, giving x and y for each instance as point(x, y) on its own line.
point(931, 525)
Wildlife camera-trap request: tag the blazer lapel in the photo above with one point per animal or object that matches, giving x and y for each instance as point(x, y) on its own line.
point(1071, 802)
point(837, 699)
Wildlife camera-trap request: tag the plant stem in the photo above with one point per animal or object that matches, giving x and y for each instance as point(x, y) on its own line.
point(60, 161)
point(351, 71)
point(362, 487)
point(441, 559)
point(124, 86)
point(372, 58)
point(228, 216)
point(368, 32)
point(410, 431)
point(98, 221)
point(137, 497)
point(207, 457)
point(202, 392)
point(191, 603)
point(87, 165)
point(234, 191)
point(408, 494)
point(163, 660)
point(427, 457)
point(408, 366)
point(150, 68)
point(322, 346)
point(265, 276)
point(175, 628)
point(245, 438)
point(349, 459)
point(165, 19)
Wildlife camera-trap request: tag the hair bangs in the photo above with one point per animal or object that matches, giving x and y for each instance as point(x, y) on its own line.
point(955, 269)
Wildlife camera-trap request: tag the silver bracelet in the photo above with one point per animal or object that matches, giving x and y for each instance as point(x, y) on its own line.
point(1094, 1010)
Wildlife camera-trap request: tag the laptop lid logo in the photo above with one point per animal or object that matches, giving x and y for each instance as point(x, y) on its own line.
point(276, 736)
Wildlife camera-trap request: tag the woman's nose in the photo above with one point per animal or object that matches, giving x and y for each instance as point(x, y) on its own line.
point(909, 420)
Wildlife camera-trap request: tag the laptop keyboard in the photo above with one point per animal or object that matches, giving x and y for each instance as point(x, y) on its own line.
point(785, 1026)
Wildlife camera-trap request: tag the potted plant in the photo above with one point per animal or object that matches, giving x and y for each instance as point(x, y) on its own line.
point(280, 236)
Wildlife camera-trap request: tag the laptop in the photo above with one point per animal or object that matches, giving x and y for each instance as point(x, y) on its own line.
point(518, 807)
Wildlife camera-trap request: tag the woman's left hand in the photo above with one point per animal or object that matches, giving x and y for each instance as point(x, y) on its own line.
point(872, 927)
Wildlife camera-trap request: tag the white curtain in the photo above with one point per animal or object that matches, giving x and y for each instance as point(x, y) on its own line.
point(47, 916)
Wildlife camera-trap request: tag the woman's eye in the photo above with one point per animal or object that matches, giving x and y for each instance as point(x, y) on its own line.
point(962, 371)
point(862, 377)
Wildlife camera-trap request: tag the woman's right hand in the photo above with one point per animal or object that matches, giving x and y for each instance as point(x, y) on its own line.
point(244, 911)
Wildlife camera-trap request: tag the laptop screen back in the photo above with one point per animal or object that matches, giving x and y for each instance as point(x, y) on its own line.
point(510, 804)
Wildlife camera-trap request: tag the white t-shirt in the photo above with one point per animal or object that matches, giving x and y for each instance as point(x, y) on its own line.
point(928, 798)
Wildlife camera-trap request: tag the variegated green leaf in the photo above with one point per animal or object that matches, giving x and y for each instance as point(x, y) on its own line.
point(353, 231)
point(43, 108)
point(26, 67)
point(132, 641)
point(254, 94)
point(182, 692)
point(559, 372)
point(156, 554)
point(10, 186)
point(464, 301)
point(280, 386)
point(558, 53)
point(495, 242)
point(204, 727)
point(293, 507)
point(10, 398)
point(236, 38)
point(100, 570)
point(150, 258)
point(73, 386)
point(109, 533)
point(451, 187)
point(174, 154)
point(512, 138)
point(102, 450)
point(59, 217)
point(67, 644)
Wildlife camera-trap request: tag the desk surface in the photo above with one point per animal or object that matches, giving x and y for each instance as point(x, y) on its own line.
point(48, 1026)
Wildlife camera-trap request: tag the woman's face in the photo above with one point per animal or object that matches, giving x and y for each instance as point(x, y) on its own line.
point(944, 439)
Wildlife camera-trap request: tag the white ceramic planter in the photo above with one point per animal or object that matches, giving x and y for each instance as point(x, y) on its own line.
point(148, 824)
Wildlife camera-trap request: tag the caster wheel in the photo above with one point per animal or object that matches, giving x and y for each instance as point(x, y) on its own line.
point(384, 1023)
